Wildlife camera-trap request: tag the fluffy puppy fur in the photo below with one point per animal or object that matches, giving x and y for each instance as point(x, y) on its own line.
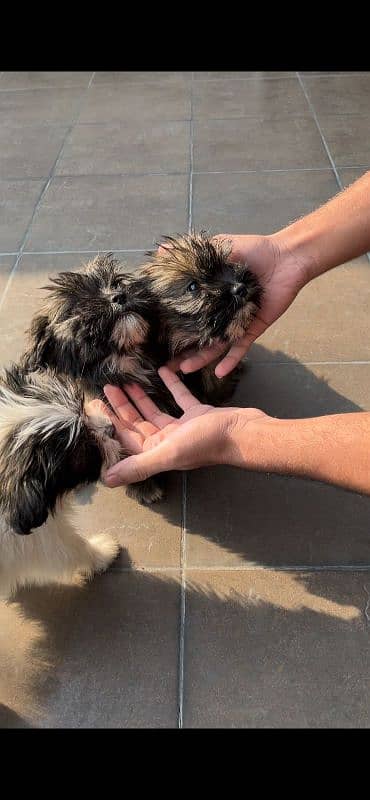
point(51, 441)
point(97, 324)
point(100, 325)
point(202, 296)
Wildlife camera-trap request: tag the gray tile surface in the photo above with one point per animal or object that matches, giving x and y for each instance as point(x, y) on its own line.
point(258, 202)
point(256, 143)
point(30, 151)
point(18, 200)
point(145, 101)
point(126, 148)
point(230, 98)
point(108, 212)
point(40, 106)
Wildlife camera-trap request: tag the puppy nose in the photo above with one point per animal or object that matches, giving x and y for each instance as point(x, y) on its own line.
point(119, 298)
point(238, 290)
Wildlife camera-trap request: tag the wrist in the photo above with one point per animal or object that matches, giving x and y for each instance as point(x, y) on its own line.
point(253, 440)
point(295, 249)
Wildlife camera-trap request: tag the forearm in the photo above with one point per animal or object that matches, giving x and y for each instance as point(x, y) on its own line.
point(333, 234)
point(334, 449)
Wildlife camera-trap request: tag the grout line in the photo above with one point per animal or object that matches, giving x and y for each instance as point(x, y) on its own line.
point(7, 178)
point(286, 77)
point(284, 568)
point(191, 160)
point(257, 171)
point(59, 175)
point(240, 568)
point(72, 252)
point(182, 604)
point(37, 205)
point(184, 476)
point(326, 146)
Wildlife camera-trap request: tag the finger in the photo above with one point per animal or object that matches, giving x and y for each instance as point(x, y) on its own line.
point(202, 358)
point(147, 407)
point(238, 350)
point(97, 407)
point(139, 467)
point(179, 391)
point(121, 404)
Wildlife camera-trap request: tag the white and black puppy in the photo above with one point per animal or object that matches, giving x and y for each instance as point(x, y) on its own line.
point(51, 442)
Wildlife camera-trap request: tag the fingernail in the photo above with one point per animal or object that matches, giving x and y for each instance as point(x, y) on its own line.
point(112, 478)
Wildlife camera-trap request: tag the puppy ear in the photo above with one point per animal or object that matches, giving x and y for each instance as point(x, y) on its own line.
point(38, 336)
point(27, 506)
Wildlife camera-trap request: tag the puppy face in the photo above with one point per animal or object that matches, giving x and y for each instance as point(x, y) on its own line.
point(89, 316)
point(49, 444)
point(202, 294)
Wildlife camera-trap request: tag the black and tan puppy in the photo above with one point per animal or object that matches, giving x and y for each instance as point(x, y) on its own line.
point(202, 296)
point(99, 325)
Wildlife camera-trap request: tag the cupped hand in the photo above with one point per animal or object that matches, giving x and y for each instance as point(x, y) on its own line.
point(160, 442)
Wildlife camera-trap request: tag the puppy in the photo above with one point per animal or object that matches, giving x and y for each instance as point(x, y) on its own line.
point(51, 441)
point(202, 296)
point(100, 325)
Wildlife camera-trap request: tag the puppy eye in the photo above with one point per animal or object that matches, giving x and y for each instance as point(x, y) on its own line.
point(193, 286)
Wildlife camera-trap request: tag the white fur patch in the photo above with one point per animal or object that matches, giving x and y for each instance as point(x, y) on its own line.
point(130, 331)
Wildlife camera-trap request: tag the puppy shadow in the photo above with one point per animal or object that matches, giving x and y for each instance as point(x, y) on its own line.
point(234, 516)
point(109, 653)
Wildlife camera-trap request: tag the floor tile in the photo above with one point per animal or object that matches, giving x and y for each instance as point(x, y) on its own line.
point(29, 152)
point(258, 202)
point(349, 175)
point(109, 212)
point(236, 517)
point(17, 203)
point(131, 149)
point(228, 98)
point(6, 266)
point(102, 656)
point(151, 536)
point(126, 102)
point(339, 94)
point(319, 325)
point(243, 74)
point(146, 76)
point(277, 650)
point(347, 138)
point(253, 144)
point(37, 80)
point(40, 106)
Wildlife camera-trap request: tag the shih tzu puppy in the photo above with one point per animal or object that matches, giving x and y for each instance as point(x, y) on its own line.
point(202, 296)
point(99, 325)
point(51, 442)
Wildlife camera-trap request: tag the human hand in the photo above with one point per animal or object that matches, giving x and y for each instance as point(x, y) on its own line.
point(281, 275)
point(159, 442)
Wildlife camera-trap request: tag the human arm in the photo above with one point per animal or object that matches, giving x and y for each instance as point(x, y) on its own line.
point(334, 448)
point(287, 260)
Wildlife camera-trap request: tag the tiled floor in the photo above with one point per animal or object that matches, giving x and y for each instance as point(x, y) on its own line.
point(243, 599)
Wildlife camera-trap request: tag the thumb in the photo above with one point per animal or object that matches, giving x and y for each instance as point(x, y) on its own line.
point(137, 468)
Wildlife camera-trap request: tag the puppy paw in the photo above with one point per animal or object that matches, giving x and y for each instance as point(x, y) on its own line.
point(146, 493)
point(104, 548)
